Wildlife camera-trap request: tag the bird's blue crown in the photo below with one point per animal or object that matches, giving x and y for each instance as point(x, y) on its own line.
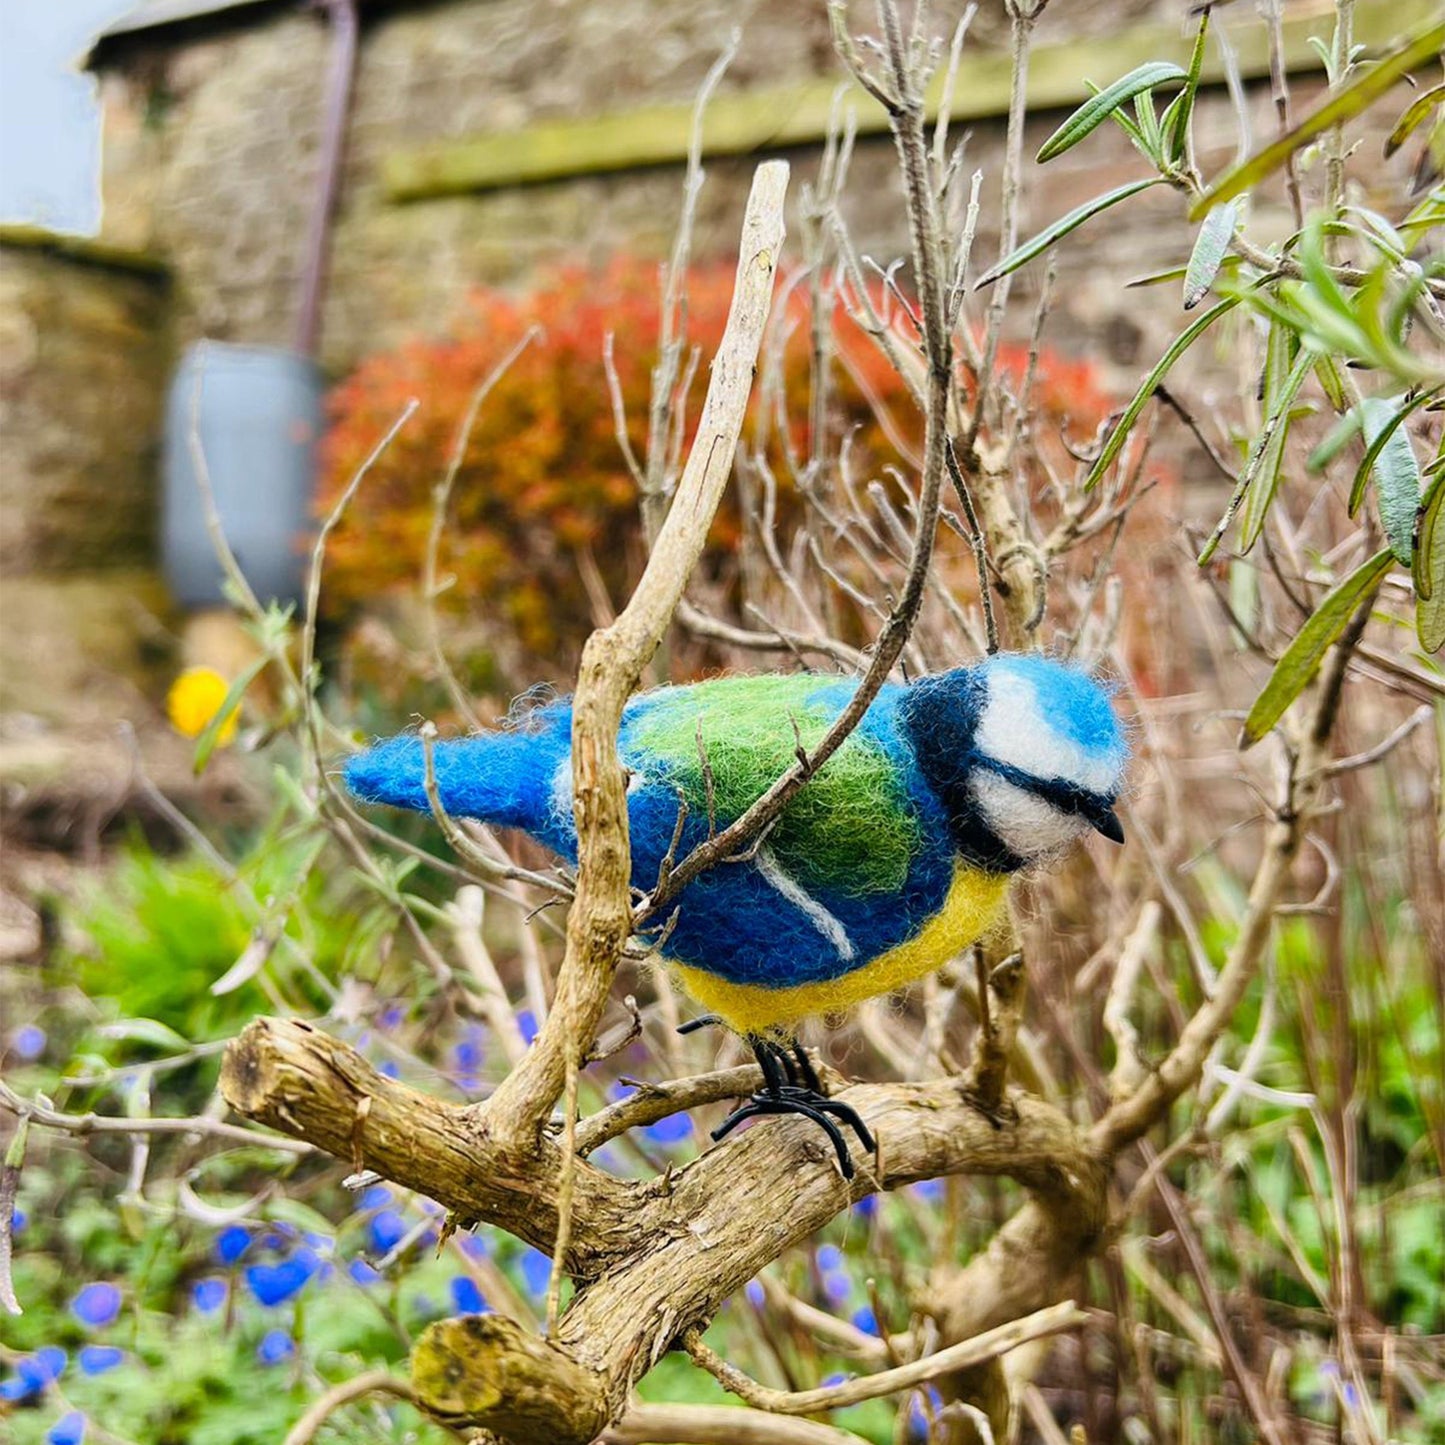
point(1025, 752)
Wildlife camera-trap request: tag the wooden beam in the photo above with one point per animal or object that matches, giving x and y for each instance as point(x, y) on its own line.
point(795, 116)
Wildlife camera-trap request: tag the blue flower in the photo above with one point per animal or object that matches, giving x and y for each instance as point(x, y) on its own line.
point(387, 1229)
point(928, 1190)
point(536, 1271)
point(837, 1378)
point(231, 1243)
point(97, 1359)
point(28, 1041)
point(276, 1346)
point(274, 1284)
point(867, 1206)
point(829, 1257)
point(17, 1222)
point(467, 1053)
point(389, 1069)
point(754, 1292)
point(377, 1197)
point(466, 1297)
point(34, 1372)
point(208, 1295)
point(837, 1286)
point(391, 1016)
point(864, 1319)
point(527, 1025)
point(671, 1130)
point(476, 1246)
point(918, 1421)
point(96, 1305)
point(362, 1272)
point(68, 1430)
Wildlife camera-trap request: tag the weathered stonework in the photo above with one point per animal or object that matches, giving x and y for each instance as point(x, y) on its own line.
point(84, 350)
point(212, 136)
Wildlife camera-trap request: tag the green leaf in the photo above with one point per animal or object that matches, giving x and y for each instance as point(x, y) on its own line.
point(1328, 376)
point(1340, 106)
point(1148, 119)
point(1390, 459)
point(206, 743)
point(1335, 441)
point(1076, 218)
point(1259, 479)
point(145, 1031)
point(1175, 122)
point(1114, 444)
point(1301, 658)
point(1210, 248)
point(1413, 118)
point(1096, 110)
point(1430, 615)
point(1428, 569)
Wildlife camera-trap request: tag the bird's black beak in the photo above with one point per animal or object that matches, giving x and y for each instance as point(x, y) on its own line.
point(1108, 824)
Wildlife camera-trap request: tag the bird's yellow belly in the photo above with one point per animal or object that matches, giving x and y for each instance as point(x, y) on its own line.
point(974, 902)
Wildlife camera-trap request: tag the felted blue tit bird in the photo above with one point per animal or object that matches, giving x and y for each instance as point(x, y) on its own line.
point(893, 858)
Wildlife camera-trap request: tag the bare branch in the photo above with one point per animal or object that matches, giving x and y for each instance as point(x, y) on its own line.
point(612, 663)
point(967, 1353)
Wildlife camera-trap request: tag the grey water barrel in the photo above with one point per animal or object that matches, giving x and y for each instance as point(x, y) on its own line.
point(257, 412)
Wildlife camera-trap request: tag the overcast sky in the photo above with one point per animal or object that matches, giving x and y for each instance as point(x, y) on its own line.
point(49, 121)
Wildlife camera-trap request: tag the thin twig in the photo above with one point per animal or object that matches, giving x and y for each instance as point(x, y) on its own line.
point(988, 1346)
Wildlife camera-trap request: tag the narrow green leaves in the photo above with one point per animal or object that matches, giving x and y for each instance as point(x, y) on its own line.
point(145, 1031)
point(1114, 444)
point(1413, 118)
point(1302, 657)
point(1175, 120)
point(1210, 248)
point(1259, 479)
point(1428, 571)
point(1340, 106)
point(1097, 109)
point(206, 743)
point(1062, 227)
point(1390, 459)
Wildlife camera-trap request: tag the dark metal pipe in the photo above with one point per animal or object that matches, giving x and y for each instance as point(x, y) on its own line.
point(340, 78)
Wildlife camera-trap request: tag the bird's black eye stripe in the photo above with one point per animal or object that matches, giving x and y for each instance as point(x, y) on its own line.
point(1057, 792)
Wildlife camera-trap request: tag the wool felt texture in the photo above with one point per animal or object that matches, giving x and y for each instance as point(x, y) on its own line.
point(894, 857)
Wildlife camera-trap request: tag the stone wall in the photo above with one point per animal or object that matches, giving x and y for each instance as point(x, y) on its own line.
point(84, 349)
point(84, 354)
point(212, 137)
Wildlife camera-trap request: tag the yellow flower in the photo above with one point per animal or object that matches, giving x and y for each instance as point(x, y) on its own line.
point(195, 698)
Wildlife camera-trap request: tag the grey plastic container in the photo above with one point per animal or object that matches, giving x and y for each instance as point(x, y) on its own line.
point(258, 415)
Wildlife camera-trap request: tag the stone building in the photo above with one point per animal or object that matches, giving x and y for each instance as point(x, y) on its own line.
point(483, 139)
point(488, 136)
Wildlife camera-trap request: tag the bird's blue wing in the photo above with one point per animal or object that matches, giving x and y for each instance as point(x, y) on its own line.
point(856, 864)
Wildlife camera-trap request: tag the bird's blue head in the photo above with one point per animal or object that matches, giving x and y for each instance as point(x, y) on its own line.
point(1027, 754)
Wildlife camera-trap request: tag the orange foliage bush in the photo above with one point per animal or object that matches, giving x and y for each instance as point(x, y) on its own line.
point(543, 496)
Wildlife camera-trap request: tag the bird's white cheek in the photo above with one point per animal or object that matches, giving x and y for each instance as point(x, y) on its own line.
point(1026, 824)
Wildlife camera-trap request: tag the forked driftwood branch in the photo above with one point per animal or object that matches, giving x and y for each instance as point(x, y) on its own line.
point(652, 1259)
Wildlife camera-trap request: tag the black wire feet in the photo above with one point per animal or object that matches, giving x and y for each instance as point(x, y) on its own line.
point(791, 1086)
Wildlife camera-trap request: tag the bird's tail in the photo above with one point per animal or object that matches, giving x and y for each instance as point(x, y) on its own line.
point(504, 778)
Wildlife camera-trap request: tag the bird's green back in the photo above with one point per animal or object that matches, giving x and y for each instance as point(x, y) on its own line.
point(853, 827)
